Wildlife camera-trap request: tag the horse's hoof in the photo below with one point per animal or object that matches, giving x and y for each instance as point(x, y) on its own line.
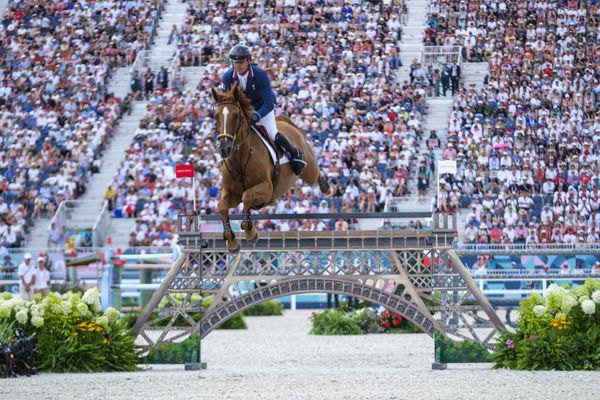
point(235, 249)
point(254, 239)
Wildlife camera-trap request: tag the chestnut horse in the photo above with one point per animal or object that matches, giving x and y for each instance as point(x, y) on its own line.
point(247, 168)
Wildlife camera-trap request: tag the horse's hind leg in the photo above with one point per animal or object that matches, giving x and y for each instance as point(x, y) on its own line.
point(326, 187)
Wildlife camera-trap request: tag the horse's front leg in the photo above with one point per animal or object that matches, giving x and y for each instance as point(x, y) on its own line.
point(257, 196)
point(248, 227)
point(225, 203)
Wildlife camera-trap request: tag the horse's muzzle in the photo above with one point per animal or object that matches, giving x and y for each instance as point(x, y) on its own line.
point(225, 148)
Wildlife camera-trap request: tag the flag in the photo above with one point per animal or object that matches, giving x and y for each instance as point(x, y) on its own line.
point(184, 171)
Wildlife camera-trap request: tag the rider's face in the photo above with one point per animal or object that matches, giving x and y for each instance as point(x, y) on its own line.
point(241, 67)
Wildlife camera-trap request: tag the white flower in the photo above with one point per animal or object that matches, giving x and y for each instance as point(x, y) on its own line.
point(65, 307)
point(103, 321)
point(555, 289)
point(112, 314)
point(21, 316)
point(5, 310)
point(37, 321)
point(37, 310)
point(588, 307)
point(92, 298)
point(596, 297)
point(539, 310)
point(82, 308)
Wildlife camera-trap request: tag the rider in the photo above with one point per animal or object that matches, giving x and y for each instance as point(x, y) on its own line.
point(257, 87)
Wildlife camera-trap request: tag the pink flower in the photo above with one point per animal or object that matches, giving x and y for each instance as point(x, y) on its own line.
point(510, 344)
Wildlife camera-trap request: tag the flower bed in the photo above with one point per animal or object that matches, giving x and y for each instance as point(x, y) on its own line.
point(359, 322)
point(560, 331)
point(73, 334)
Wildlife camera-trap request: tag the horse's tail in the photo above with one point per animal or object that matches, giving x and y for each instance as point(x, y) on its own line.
point(326, 187)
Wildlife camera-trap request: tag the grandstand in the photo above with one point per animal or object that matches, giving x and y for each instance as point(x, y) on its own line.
point(99, 101)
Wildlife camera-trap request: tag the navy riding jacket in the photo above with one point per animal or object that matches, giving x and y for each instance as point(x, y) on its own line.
point(258, 88)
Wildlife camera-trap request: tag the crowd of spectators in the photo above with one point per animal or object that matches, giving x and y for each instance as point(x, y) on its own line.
point(333, 67)
point(527, 143)
point(55, 110)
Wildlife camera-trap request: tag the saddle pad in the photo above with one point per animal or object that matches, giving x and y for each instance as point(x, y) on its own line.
point(283, 160)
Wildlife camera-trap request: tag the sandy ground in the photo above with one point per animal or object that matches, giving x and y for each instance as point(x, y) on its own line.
point(276, 358)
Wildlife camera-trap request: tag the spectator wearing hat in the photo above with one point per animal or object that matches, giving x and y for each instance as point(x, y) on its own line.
point(27, 276)
point(42, 277)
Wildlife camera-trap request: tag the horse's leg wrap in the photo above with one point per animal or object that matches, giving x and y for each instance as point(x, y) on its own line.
point(227, 231)
point(324, 185)
point(247, 224)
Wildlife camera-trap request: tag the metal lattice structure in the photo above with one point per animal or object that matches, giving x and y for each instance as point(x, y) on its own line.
point(414, 273)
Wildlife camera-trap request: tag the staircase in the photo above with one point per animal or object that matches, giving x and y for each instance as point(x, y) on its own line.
point(474, 73)
point(120, 82)
point(193, 76)
point(412, 37)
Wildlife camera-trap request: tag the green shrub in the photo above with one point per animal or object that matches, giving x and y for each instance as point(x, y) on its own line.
point(235, 322)
point(333, 322)
point(558, 332)
point(174, 353)
point(467, 351)
point(73, 334)
point(267, 308)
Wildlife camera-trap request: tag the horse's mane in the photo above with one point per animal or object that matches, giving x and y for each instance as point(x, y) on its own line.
point(244, 102)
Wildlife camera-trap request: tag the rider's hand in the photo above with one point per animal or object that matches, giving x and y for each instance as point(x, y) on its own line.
point(256, 117)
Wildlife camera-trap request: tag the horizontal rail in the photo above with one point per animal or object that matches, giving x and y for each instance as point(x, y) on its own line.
point(281, 217)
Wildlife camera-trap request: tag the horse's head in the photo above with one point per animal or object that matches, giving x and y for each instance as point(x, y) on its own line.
point(231, 115)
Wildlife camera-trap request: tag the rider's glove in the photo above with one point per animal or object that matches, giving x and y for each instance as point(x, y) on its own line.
point(256, 117)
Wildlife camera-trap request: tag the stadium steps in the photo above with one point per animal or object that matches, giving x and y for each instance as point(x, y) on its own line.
point(193, 76)
point(37, 237)
point(173, 14)
point(474, 73)
point(412, 35)
point(120, 82)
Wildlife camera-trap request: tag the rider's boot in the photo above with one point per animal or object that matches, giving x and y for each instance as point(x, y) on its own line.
point(296, 157)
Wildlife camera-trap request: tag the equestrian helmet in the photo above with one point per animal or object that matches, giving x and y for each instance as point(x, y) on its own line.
point(239, 52)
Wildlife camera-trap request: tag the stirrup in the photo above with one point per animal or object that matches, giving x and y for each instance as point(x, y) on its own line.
point(298, 165)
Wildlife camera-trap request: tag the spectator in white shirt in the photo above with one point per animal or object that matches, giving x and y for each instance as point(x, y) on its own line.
point(27, 277)
point(42, 277)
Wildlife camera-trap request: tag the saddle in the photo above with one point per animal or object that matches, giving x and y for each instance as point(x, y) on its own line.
point(276, 153)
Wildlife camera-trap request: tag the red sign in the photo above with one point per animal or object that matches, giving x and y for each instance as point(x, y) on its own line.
point(184, 171)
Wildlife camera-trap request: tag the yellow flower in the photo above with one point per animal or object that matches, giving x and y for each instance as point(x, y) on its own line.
point(105, 341)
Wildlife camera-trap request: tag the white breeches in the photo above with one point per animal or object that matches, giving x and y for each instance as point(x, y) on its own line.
point(268, 121)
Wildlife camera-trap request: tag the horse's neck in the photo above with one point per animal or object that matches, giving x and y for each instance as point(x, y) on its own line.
point(245, 143)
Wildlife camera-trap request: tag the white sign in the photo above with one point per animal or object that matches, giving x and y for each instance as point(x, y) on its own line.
point(446, 167)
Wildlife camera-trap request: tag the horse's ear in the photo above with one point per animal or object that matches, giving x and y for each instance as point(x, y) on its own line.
point(215, 95)
point(236, 92)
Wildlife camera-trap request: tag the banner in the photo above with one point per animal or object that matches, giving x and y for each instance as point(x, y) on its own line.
point(184, 171)
point(446, 167)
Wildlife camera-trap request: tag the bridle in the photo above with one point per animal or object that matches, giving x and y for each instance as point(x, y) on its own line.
point(233, 137)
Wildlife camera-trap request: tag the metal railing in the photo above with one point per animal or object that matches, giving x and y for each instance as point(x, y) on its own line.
point(528, 248)
point(437, 55)
point(99, 223)
point(154, 60)
point(101, 226)
point(398, 204)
